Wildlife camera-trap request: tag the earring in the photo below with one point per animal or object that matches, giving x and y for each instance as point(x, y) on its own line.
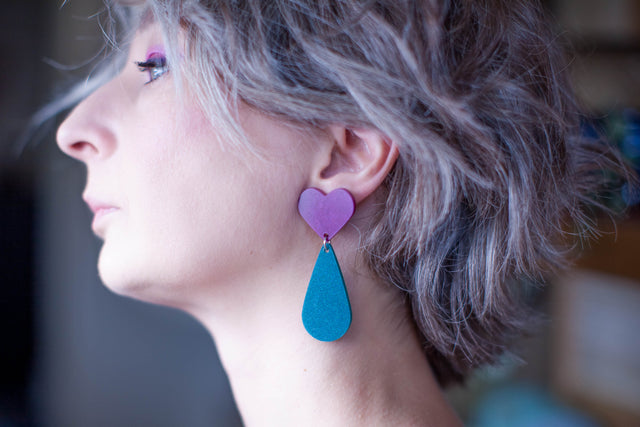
point(326, 312)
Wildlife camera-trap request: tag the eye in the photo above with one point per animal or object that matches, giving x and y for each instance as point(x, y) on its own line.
point(155, 66)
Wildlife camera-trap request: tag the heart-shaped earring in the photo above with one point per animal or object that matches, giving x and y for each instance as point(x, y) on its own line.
point(326, 312)
point(326, 214)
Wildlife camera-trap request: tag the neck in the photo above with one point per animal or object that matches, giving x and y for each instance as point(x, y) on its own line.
point(375, 374)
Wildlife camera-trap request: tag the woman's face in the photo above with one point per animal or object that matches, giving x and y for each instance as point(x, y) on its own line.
point(174, 208)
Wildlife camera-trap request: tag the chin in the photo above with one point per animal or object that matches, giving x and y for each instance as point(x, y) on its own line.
point(119, 272)
point(118, 281)
point(130, 275)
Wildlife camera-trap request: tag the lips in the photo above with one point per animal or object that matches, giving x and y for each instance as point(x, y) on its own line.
point(100, 210)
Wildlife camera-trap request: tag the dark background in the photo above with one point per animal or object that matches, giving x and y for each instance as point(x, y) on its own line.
point(71, 352)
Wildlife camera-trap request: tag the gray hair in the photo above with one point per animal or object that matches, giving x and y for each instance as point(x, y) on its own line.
point(494, 178)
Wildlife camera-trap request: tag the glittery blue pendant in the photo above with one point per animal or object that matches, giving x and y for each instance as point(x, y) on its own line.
point(326, 313)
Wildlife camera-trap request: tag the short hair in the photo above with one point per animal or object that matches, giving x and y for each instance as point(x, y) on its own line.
point(493, 177)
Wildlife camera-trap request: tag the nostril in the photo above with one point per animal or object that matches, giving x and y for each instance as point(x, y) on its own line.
point(81, 149)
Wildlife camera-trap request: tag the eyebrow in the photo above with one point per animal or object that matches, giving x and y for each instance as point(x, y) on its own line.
point(146, 18)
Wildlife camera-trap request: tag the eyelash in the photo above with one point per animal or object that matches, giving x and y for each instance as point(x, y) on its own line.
point(155, 66)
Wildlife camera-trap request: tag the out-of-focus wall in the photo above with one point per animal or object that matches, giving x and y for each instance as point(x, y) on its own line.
point(20, 88)
point(606, 33)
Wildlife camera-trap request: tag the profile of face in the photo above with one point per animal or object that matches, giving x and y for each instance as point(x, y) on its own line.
point(177, 210)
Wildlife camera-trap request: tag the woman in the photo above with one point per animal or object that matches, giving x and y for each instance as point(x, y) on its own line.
point(220, 152)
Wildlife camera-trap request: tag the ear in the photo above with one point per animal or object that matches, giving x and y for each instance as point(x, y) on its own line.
point(358, 160)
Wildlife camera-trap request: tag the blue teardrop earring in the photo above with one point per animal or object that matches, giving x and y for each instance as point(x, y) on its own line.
point(326, 312)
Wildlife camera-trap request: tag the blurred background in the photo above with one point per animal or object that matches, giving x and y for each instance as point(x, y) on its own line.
point(73, 354)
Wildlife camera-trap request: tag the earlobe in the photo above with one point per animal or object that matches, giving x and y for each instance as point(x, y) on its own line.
point(359, 161)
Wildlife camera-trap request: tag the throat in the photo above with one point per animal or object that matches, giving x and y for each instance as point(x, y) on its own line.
point(361, 379)
point(376, 374)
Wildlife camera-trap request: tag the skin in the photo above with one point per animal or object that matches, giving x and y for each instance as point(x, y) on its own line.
point(190, 224)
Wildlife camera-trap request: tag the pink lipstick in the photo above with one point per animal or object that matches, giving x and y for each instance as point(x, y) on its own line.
point(100, 210)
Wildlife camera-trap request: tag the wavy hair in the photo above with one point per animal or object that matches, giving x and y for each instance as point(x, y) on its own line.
point(493, 180)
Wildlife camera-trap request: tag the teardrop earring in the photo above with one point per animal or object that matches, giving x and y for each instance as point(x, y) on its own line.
point(326, 312)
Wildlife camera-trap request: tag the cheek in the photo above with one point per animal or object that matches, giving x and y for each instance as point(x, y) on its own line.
point(191, 210)
point(197, 213)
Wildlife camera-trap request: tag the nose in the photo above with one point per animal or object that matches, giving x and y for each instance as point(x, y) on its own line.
point(88, 133)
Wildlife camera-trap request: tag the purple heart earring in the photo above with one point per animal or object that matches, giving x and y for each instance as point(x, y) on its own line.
point(326, 312)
